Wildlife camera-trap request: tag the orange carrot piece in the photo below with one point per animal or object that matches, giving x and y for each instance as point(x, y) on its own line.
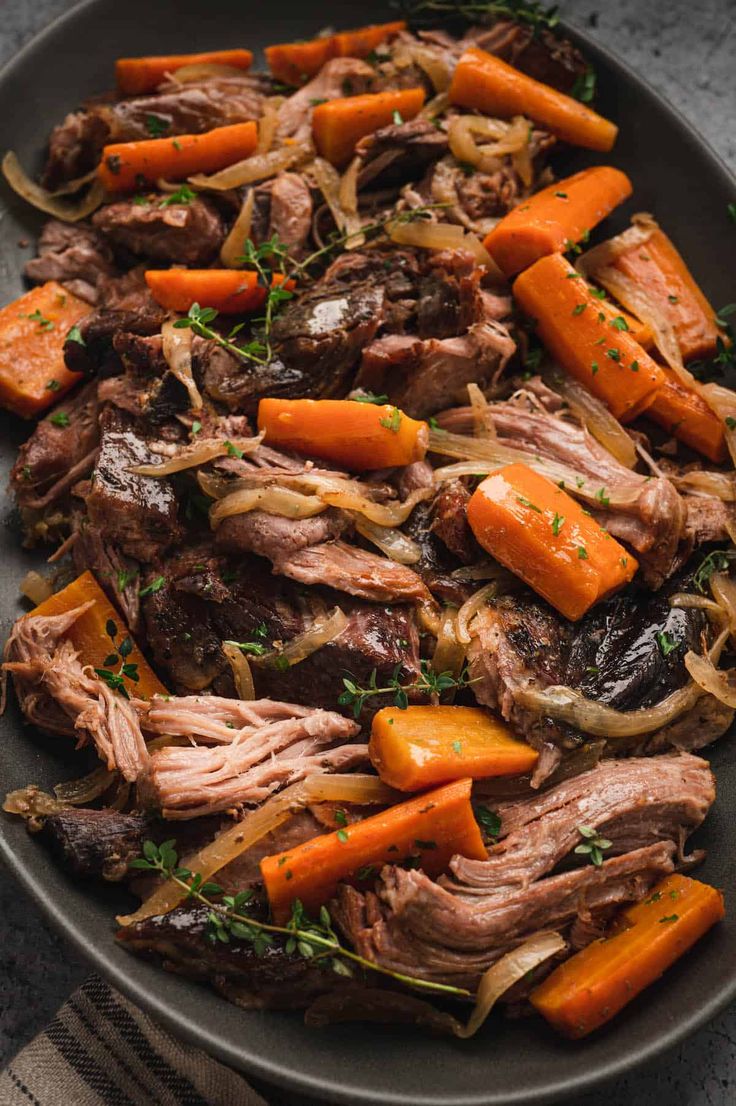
point(544, 536)
point(359, 436)
point(659, 268)
point(137, 75)
point(33, 330)
point(424, 746)
point(338, 125)
point(294, 63)
point(485, 83)
point(686, 415)
point(229, 291)
point(551, 220)
point(432, 827)
point(129, 165)
point(89, 634)
point(360, 43)
point(583, 337)
point(591, 987)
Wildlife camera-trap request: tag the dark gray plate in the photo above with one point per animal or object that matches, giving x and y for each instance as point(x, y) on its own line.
point(677, 177)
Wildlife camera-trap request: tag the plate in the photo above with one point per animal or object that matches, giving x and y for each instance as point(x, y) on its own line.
point(678, 178)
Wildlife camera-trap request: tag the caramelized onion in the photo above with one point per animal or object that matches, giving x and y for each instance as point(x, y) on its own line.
point(255, 168)
point(231, 251)
point(36, 587)
point(433, 65)
point(470, 609)
point(597, 419)
point(198, 454)
point(268, 124)
point(83, 791)
point(506, 138)
point(238, 838)
point(240, 668)
point(720, 485)
point(395, 545)
point(33, 804)
point(68, 211)
point(449, 653)
point(482, 425)
point(323, 630)
point(439, 236)
point(717, 682)
point(274, 500)
point(177, 350)
point(724, 593)
point(341, 196)
point(509, 970)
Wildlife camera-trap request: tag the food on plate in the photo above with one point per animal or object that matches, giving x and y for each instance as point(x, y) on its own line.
point(389, 533)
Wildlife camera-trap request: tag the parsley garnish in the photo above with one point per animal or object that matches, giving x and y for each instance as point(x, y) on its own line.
point(392, 422)
point(156, 126)
point(183, 195)
point(75, 335)
point(153, 587)
point(60, 418)
point(369, 397)
point(487, 819)
point(584, 87)
point(667, 643)
point(527, 503)
point(557, 523)
point(43, 322)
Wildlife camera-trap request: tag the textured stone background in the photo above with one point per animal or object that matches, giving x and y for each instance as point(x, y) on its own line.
point(686, 51)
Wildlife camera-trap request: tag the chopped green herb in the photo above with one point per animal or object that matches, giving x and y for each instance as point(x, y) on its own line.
point(156, 126)
point(393, 421)
point(673, 299)
point(75, 335)
point(233, 451)
point(667, 643)
point(60, 418)
point(557, 523)
point(52, 385)
point(369, 397)
point(183, 195)
point(670, 918)
point(579, 308)
point(457, 747)
point(397, 118)
point(614, 354)
point(487, 819)
point(619, 323)
point(602, 498)
point(527, 503)
point(153, 587)
point(582, 553)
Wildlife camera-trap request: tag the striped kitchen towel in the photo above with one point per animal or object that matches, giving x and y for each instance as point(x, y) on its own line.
point(100, 1050)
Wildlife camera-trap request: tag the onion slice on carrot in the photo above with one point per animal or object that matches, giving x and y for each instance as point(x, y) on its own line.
point(68, 211)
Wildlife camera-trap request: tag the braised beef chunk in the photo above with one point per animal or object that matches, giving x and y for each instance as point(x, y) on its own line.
point(93, 350)
point(76, 255)
point(138, 513)
point(323, 334)
point(57, 453)
point(401, 152)
point(538, 52)
point(74, 148)
point(94, 843)
point(273, 980)
point(180, 233)
point(450, 522)
point(239, 384)
point(184, 108)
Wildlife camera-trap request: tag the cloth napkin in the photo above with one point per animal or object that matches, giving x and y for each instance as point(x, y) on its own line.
point(101, 1050)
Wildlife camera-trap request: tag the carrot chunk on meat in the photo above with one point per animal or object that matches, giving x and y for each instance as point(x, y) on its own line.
point(594, 985)
point(425, 746)
point(126, 166)
point(33, 329)
point(338, 125)
point(556, 217)
point(359, 436)
point(686, 415)
point(592, 344)
point(485, 83)
point(135, 76)
point(99, 632)
point(429, 830)
point(544, 536)
point(229, 291)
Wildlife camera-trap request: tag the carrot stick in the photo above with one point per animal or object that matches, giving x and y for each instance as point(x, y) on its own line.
point(33, 330)
point(359, 436)
point(487, 84)
point(586, 341)
point(295, 62)
point(424, 746)
point(229, 291)
point(656, 268)
point(683, 413)
point(129, 165)
point(591, 987)
point(360, 43)
point(551, 220)
point(137, 75)
point(544, 536)
point(432, 828)
point(338, 125)
point(91, 633)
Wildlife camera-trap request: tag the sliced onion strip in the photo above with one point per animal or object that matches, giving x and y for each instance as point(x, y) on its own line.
point(470, 608)
point(268, 124)
point(597, 419)
point(177, 350)
point(198, 454)
point(68, 211)
point(449, 653)
point(231, 251)
point(240, 668)
point(724, 593)
point(256, 168)
point(483, 426)
point(83, 791)
point(392, 543)
point(323, 630)
point(274, 500)
point(439, 236)
point(238, 838)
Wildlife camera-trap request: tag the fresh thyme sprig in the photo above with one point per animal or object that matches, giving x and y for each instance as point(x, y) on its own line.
point(523, 11)
point(428, 683)
point(312, 940)
point(717, 560)
point(126, 671)
point(593, 845)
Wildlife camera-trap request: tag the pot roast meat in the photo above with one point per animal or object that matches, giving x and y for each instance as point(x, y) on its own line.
point(538, 52)
point(413, 925)
point(74, 254)
point(450, 522)
point(190, 108)
point(89, 844)
point(290, 217)
point(400, 152)
point(277, 537)
point(344, 567)
point(258, 760)
point(177, 233)
point(137, 513)
point(75, 147)
point(103, 332)
point(337, 77)
point(634, 803)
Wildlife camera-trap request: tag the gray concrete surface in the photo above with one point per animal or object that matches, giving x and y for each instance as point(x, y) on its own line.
point(686, 51)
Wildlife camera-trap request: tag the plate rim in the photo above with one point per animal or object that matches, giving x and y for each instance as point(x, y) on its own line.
point(181, 1024)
